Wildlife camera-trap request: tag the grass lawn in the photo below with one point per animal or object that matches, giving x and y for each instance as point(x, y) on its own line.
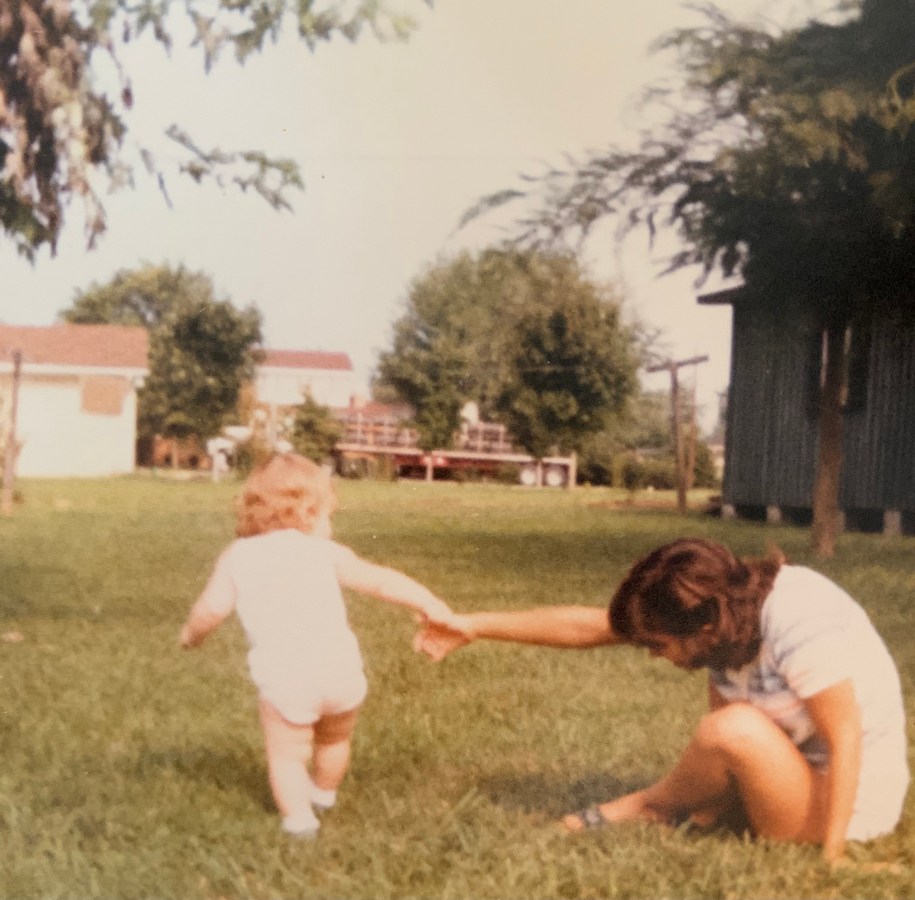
point(131, 769)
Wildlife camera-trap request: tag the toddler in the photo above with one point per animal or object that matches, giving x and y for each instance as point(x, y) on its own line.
point(283, 576)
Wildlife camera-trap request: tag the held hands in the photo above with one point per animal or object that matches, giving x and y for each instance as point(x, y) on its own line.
point(439, 638)
point(437, 612)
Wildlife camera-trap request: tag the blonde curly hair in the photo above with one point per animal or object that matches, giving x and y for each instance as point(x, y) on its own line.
point(286, 491)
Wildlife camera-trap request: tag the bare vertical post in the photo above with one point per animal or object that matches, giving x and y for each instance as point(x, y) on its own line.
point(693, 437)
point(572, 471)
point(679, 449)
point(9, 460)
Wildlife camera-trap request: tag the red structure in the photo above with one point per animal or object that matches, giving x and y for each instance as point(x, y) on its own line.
point(375, 432)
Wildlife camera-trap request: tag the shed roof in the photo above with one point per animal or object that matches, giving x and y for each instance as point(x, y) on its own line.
point(95, 346)
point(725, 295)
point(306, 359)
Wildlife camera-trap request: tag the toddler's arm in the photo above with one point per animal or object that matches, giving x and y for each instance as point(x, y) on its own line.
point(212, 607)
point(388, 584)
point(201, 621)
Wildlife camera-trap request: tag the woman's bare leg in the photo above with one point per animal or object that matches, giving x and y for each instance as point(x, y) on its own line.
point(736, 752)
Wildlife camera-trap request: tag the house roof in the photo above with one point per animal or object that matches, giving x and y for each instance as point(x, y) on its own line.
point(306, 359)
point(92, 346)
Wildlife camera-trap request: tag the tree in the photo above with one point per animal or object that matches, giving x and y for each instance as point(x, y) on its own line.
point(201, 350)
point(446, 348)
point(61, 131)
point(314, 432)
point(788, 159)
point(507, 330)
point(571, 366)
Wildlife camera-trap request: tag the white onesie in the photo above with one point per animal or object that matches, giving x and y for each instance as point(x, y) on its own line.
point(303, 656)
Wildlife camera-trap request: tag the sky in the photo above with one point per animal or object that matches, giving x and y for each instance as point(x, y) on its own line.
point(395, 142)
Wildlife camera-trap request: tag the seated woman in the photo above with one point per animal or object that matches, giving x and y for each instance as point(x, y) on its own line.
point(806, 731)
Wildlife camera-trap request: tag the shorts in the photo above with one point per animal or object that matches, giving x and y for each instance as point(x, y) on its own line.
point(878, 806)
point(305, 704)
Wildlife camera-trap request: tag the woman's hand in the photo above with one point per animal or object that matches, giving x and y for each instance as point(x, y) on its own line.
point(438, 639)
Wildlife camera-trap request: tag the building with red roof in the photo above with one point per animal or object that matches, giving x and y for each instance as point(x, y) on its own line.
point(284, 377)
point(76, 396)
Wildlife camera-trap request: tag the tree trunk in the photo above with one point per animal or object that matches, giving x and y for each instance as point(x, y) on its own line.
point(829, 459)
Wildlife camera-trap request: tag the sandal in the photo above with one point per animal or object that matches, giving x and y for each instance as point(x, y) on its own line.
point(589, 818)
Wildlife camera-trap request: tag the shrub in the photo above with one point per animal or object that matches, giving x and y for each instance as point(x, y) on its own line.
point(314, 432)
point(379, 468)
point(705, 474)
point(250, 453)
point(660, 473)
point(629, 471)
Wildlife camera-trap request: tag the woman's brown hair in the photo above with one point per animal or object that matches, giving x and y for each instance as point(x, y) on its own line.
point(286, 491)
point(697, 590)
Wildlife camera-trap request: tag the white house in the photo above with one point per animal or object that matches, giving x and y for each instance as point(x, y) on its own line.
point(77, 397)
point(285, 376)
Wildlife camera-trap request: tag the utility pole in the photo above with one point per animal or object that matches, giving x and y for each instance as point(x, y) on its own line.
point(679, 449)
point(9, 458)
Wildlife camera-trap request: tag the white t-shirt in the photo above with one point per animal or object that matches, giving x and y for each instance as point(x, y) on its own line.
point(303, 656)
point(814, 635)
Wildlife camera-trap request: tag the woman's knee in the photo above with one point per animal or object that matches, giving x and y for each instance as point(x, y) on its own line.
point(736, 726)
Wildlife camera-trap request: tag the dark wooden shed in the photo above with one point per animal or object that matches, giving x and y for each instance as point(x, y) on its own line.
point(771, 426)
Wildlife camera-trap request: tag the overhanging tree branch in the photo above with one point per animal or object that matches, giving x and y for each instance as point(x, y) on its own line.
point(62, 134)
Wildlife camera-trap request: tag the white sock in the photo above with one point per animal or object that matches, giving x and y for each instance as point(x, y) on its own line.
point(322, 798)
point(303, 824)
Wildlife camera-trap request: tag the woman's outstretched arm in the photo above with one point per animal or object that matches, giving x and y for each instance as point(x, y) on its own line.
point(569, 627)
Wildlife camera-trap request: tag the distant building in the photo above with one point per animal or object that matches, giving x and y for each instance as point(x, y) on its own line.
point(77, 397)
point(286, 376)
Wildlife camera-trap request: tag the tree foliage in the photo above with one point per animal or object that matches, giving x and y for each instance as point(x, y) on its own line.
point(314, 432)
point(643, 429)
point(785, 157)
point(63, 129)
point(201, 350)
point(524, 335)
point(446, 347)
point(570, 367)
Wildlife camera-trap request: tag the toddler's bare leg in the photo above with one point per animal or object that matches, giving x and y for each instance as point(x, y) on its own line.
point(332, 745)
point(288, 748)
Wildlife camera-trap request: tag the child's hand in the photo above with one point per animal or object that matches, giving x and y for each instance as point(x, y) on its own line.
point(187, 638)
point(200, 623)
point(438, 639)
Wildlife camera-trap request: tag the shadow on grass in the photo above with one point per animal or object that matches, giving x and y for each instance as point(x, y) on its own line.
point(222, 770)
point(547, 795)
point(552, 796)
